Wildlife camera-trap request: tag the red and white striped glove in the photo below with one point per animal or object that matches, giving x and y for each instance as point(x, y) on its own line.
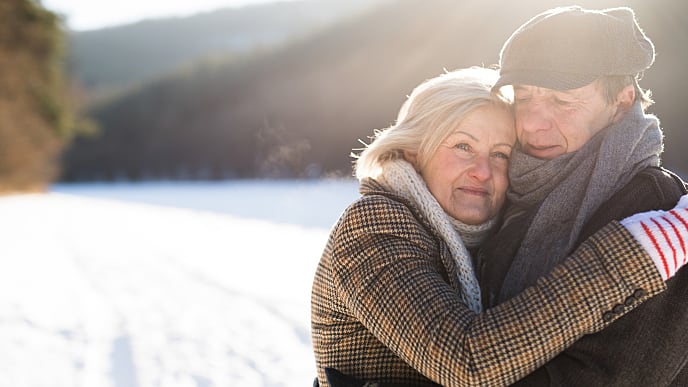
point(664, 235)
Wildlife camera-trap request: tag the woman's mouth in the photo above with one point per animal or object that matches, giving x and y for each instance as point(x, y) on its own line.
point(476, 191)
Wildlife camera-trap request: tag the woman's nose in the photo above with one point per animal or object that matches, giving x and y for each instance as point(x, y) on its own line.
point(481, 170)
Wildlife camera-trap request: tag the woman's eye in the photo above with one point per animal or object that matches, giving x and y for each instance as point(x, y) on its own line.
point(463, 146)
point(501, 155)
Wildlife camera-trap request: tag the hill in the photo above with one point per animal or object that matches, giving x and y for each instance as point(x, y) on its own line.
point(299, 110)
point(121, 56)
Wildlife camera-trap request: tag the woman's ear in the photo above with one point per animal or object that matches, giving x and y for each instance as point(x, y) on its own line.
point(412, 158)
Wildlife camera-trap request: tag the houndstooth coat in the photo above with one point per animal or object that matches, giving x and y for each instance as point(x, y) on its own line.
point(385, 303)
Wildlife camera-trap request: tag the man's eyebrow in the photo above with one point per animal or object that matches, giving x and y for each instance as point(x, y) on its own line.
point(568, 93)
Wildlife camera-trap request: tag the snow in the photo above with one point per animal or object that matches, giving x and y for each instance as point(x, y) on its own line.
point(163, 284)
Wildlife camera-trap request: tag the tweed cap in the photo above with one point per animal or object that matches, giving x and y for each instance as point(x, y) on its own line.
point(569, 47)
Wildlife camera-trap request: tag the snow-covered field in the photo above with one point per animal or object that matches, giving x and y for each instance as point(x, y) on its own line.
point(162, 284)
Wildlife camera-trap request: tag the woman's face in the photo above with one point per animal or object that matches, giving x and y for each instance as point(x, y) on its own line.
point(468, 172)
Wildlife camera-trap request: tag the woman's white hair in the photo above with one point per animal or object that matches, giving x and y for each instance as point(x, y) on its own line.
point(429, 116)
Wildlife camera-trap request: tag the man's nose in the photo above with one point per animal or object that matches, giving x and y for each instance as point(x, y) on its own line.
point(533, 117)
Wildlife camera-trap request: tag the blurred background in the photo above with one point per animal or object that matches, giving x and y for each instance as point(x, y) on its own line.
point(270, 90)
point(169, 169)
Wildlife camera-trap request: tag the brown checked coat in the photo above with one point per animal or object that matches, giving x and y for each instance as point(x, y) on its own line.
point(385, 303)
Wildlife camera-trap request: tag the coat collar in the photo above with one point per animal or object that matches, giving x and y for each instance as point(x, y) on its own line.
point(370, 186)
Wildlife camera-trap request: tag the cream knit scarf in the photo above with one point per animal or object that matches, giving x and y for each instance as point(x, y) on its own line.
point(400, 178)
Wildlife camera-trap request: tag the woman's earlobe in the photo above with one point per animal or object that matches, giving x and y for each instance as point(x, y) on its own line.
point(412, 158)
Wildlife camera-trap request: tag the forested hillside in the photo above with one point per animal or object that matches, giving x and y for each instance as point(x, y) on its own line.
point(114, 59)
point(299, 110)
point(35, 113)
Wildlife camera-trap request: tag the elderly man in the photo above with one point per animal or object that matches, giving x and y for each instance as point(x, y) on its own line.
point(588, 154)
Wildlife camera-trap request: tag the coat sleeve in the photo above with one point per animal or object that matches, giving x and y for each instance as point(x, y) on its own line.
point(389, 281)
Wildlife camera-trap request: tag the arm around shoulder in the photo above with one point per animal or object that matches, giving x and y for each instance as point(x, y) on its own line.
point(390, 280)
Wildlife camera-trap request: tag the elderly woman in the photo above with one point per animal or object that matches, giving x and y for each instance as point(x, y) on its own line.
point(395, 300)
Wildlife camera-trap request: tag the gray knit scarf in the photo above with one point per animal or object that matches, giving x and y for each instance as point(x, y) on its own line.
point(399, 176)
point(570, 188)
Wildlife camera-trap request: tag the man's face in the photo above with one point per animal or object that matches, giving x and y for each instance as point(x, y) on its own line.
point(550, 123)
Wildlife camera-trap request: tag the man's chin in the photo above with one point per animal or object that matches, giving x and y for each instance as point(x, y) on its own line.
point(545, 152)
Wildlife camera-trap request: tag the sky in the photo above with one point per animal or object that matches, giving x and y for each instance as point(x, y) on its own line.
point(83, 15)
point(123, 292)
